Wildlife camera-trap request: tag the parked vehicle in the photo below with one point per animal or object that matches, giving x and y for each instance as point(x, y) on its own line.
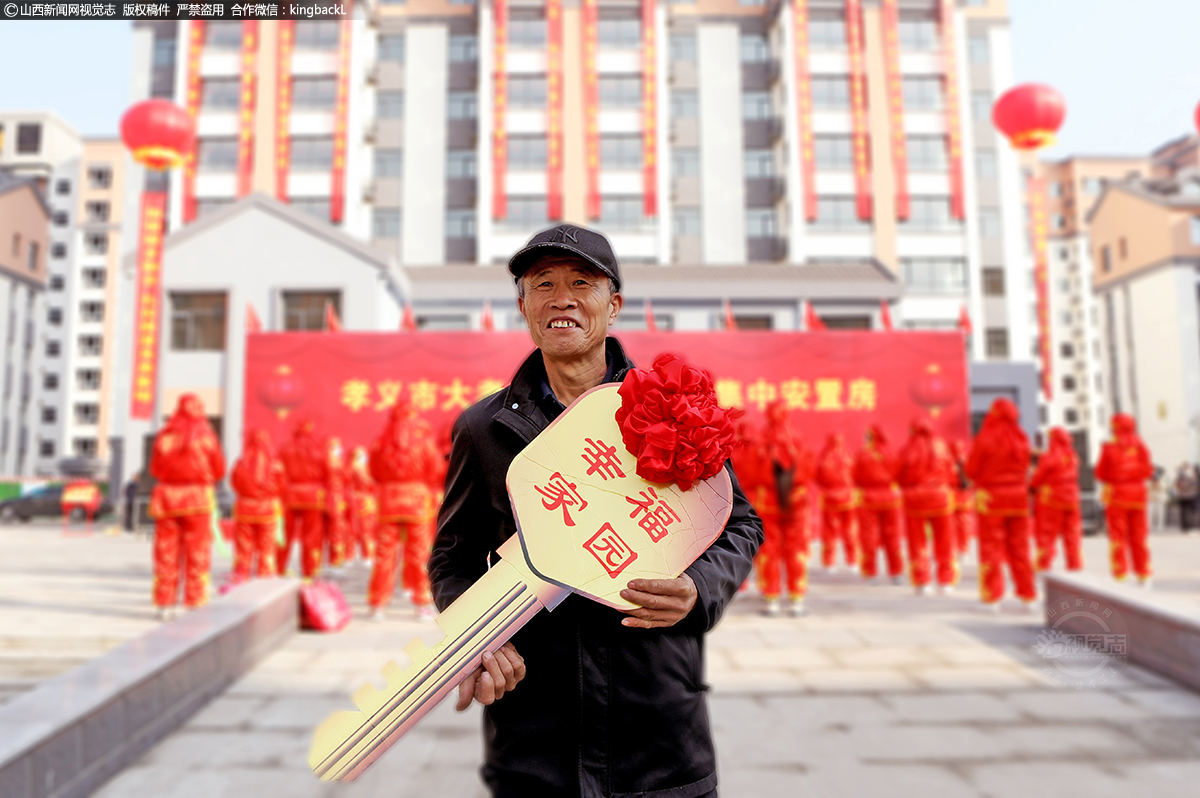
point(44, 502)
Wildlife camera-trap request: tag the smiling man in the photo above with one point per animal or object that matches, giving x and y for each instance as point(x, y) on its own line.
point(584, 701)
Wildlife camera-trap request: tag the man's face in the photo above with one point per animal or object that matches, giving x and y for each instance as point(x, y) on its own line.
point(568, 307)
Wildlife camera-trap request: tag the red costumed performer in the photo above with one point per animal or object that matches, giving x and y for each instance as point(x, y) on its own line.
point(835, 478)
point(257, 479)
point(879, 524)
point(187, 462)
point(1124, 468)
point(926, 477)
point(1056, 482)
point(306, 469)
point(964, 499)
point(364, 505)
point(402, 458)
point(337, 507)
point(999, 467)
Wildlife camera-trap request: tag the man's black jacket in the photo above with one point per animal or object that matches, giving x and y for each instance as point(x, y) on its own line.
point(605, 710)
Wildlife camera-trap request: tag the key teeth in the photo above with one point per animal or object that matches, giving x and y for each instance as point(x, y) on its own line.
point(369, 698)
point(418, 651)
point(330, 734)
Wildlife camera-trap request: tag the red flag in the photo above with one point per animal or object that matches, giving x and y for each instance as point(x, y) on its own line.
point(730, 321)
point(812, 321)
point(650, 325)
point(332, 322)
point(885, 315)
point(408, 323)
point(253, 323)
point(486, 322)
point(964, 321)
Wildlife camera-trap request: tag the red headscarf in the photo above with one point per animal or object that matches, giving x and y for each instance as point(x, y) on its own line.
point(404, 450)
point(1000, 455)
point(189, 421)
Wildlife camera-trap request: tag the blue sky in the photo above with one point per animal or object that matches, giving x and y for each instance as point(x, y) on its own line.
point(1128, 68)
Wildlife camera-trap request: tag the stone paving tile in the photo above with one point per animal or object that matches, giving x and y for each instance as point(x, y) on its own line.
point(1075, 706)
point(858, 680)
point(972, 677)
point(806, 714)
point(1060, 779)
point(958, 707)
point(789, 658)
point(756, 681)
point(889, 781)
point(1094, 742)
point(218, 749)
point(230, 712)
point(883, 656)
point(1168, 702)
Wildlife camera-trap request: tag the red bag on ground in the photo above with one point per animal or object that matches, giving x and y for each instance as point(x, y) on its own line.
point(323, 607)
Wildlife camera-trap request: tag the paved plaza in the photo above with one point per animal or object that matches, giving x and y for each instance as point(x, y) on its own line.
point(876, 692)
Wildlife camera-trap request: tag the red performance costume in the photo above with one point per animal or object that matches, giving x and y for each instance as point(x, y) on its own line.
point(337, 508)
point(257, 480)
point(1056, 482)
point(926, 475)
point(964, 499)
point(835, 478)
point(1124, 468)
point(187, 462)
point(306, 469)
point(364, 505)
point(879, 505)
point(999, 467)
point(402, 459)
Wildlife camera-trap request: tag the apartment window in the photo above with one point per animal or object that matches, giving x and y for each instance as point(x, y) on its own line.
point(760, 223)
point(985, 164)
point(87, 379)
point(923, 93)
point(683, 47)
point(223, 35)
point(314, 93)
point(314, 206)
point(621, 213)
point(464, 49)
point(685, 162)
point(385, 223)
point(527, 91)
point(686, 222)
point(527, 152)
point(62, 187)
point(218, 155)
point(1066, 317)
point(29, 139)
point(918, 34)
point(756, 105)
point(838, 213)
point(16, 244)
point(684, 104)
point(755, 49)
point(33, 257)
point(759, 163)
point(526, 31)
point(978, 51)
point(1092, 185)
point(825, 33)
point(1194, 227)
point(53, 348)
point(1059, 221)
point(1054, 188)
point(993, 281)
point(91, 345)
point(461, 105)
point(989, 223)
point(620, 91)
point(312, 154)
point(57, 282)
point(935, 275)
point(1071, 416)
point(460, 224)
point(54, 316)
point(91, 311)
point(527, 212)
point(49, 415)
point(621, 151)
point(317, 34)
point(623, 32)
point(981, 106)
point(87, 413)
point(1106, 259)
point(99, 177)
point(927, 153)
point(61, 219)
point(391, 47)
point(389, 104)
point(94, 277)
point(389, 163)
point(460, 164)
point(221, 94)
point(1066, 350)
point(97, 211)
point(996, 343)
point(84, 447)
point(305, 310)
point(46, 448)
point(930, 214)
point(831, 92)
point(197, 322)
point(1068, 382)
point(833, 152)
point(95, 243)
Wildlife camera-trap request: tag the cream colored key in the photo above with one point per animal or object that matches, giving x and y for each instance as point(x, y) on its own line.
point(586, 523)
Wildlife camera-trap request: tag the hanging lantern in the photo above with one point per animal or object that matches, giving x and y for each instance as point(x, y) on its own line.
point(282, 392)
point(932, 390)
point(1029, 115)
point(1197, 118)
point(159, 133)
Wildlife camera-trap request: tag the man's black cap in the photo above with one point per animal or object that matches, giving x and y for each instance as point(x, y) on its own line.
point(587, 244)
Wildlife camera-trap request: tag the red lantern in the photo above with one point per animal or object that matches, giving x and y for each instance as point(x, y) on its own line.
point(159, 133)
point(1029, 115)
point(932, 390)
point(1197, 119)
point(282, 391)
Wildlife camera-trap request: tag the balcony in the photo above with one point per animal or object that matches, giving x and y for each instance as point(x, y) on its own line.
point(685, 191)
point(460, 250)
point(384, 192)
point(763, 192)
point(759, 75)
point(759, 250)
point(758, 134)
point(462, 134)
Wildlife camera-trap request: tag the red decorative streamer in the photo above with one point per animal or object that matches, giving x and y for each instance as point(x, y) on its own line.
point(953, 110)
point(649, 111)
point(858, 108)
point(499, 111)
point(591, 105)
point(195, 51)
point(554, 110)
point(148, 321)
point(1035, 187)
point(895, 95)
point(283, 108)
point(341, 119)
point(245, 167)
point(808, 160)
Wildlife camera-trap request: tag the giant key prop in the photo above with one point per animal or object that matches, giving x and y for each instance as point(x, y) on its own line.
point(586, 523)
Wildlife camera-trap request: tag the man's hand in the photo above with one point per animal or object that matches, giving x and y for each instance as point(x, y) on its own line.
point(662, 602)
point(499, 673)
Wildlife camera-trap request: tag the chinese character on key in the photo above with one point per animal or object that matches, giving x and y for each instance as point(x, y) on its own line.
point(603, 460)
point(561, 493)
point(658, 515)
point(611, 552)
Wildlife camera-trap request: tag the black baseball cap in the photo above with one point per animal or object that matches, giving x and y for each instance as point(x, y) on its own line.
point(587, 244)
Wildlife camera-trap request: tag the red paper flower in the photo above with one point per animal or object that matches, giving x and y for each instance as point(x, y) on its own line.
point(671, 423)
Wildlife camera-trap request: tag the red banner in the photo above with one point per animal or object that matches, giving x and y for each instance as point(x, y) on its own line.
point(591, 105)
point(194, 52)
point(500, 112)
point(858, 108)
point(554, 110)
point(649, 111)
point(1035, 187)
point(838, 380)
point(895, 95)
point(341, 118)
point(148, 301)
point(808, 159)
point(283, 108)
point(245, 167)
point(953, 110)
